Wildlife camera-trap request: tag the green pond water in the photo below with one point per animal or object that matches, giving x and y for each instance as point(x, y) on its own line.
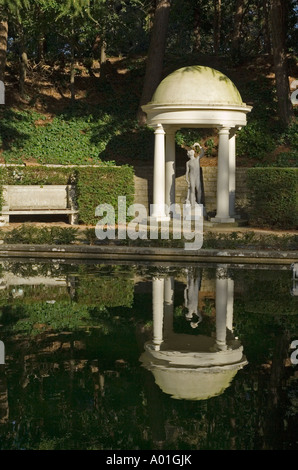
point(135, 357)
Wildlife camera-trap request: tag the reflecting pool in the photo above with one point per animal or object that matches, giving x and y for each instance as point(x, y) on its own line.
point(153, 356)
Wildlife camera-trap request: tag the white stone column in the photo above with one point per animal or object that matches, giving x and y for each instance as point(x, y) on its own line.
point(221, 308)
point(230, 304)
point(169, 306)
point(158, 311)
point(223, 202)
point(158, 212)
point(232, 171)
point(170, 167)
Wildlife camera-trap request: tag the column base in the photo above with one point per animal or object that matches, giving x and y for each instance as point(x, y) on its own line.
point(223, 220)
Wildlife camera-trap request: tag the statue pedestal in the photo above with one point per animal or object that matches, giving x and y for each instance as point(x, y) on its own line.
point(223, 220)
point(195, 212)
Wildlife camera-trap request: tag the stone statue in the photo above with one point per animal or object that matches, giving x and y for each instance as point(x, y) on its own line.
point(193, 176)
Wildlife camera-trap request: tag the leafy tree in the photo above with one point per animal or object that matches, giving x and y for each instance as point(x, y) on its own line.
point(8, 9)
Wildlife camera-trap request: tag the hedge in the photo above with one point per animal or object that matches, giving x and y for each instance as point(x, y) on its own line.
point(272, 197)
point(103, 186)
point(95, 185)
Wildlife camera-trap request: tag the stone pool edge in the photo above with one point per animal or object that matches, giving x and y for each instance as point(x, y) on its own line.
point(113, 252)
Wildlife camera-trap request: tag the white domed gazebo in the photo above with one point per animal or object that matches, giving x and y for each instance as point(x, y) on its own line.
point(197, 97)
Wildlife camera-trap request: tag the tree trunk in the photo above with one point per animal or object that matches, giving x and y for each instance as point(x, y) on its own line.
point(236, 37)
point(155, 55)
point(41, 35)
point(151, 13)
point(72, 67)
point(197, 28)
point(216, 25)
point(3, 47)
point(23, 61)
point(103, 55)
point(40, 48)
point(267, 39)
point(278, 34)
point(99, 50)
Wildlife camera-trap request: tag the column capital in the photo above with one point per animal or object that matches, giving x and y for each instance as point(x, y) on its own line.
point(224, 130)
point(159, 129)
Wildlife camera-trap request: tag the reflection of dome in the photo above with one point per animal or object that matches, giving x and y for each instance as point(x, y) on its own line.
point(197, 85)
point(193, 375)
point(193, 384)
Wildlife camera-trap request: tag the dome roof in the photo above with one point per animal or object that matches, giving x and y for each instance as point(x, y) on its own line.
point(197, 85)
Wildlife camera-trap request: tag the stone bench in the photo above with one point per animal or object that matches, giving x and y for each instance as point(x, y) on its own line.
point(39, 200)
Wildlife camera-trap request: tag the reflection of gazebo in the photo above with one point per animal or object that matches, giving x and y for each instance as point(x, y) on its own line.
point(198, 97)
point(193, 367)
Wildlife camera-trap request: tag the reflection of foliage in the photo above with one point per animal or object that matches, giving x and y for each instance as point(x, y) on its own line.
point(49, 269)
point(37, 317)
point(182, 326)
point(105, 291)
point(264, 309)
point(19, 295)
point(33, 318)
point(208, 307)
point(267, 293)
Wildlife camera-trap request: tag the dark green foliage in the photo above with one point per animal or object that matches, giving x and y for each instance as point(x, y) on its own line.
point(250, 240)
point(65, 139)
point(39, 175)
point(29, 234)
point(103, 186)
point(273, 197)
point(255, 141)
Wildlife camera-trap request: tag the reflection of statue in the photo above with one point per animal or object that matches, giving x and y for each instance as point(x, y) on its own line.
point(193, 176)
point(191, 298)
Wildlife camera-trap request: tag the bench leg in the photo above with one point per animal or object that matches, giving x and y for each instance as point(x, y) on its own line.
point(4, 220)
point(73, 219)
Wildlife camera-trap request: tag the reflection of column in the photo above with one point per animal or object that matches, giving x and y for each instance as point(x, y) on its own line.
point(170, 167)
point(169, 306)
point(159, 175)
point(222, 214)
point(157, 302)
point(230, 303)
point(221, 308)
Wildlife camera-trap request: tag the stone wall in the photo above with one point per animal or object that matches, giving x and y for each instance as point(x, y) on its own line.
point(144, 186)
